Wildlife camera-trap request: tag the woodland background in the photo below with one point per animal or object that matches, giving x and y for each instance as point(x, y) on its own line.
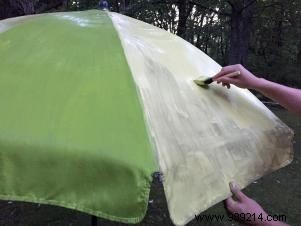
point(263, 35)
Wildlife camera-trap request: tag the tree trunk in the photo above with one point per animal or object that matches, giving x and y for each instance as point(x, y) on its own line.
point(65, 4)
point(124, 4)
point(241, 24)
point(44, 6)
point(184, 12)
point(222, 49)
point(299, 54)
point(116, 6)
point(279, 27)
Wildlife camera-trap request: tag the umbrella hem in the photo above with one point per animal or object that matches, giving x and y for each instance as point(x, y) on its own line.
point(74, 206)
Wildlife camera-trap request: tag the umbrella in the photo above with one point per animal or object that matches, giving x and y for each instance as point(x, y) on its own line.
point(93, 103)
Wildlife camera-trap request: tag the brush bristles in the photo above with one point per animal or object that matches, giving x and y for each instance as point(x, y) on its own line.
point(203, 81)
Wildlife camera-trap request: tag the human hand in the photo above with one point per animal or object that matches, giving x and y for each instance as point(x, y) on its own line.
point(242, 205)
point(244, 80)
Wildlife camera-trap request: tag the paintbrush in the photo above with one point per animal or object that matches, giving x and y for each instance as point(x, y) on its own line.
point(205, 80)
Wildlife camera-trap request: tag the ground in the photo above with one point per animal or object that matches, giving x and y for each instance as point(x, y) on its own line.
point(278, 193)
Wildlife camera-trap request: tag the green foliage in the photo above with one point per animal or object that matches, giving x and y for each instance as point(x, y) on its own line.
point(275, 46)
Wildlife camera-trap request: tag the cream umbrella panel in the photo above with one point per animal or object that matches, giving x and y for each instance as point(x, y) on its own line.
point(204, 138)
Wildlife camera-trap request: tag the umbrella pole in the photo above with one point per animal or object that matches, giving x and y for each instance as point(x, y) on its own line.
point(93, 221)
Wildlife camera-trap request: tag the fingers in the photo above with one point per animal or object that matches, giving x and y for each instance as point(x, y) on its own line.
point(233, 74)
point(230, 204)
point(226, 85)
point(220, 74)
point(226, 80)
point(237, 193)
point(224, 71)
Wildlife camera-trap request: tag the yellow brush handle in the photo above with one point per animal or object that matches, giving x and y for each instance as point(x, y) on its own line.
point(233, 74)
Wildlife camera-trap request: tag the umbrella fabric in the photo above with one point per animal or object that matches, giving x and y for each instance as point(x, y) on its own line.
point(205, 138)
point(92, 102)
point(72, 130)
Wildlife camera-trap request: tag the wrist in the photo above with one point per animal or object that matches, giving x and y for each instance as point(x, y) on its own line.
point(263, 221)
point(259, 84)
point(267, 223)
point(270, 223)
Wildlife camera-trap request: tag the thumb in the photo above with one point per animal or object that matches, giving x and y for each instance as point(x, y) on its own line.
point(237, 193)
point(230, 204)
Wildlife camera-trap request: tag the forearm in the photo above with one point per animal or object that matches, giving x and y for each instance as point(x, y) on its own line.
point(289, 98)
point(272, 223)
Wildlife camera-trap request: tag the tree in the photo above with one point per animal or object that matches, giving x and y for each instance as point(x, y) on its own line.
point(264, 35)
point(242, 13)
point(13, 8)
point(184, 11)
